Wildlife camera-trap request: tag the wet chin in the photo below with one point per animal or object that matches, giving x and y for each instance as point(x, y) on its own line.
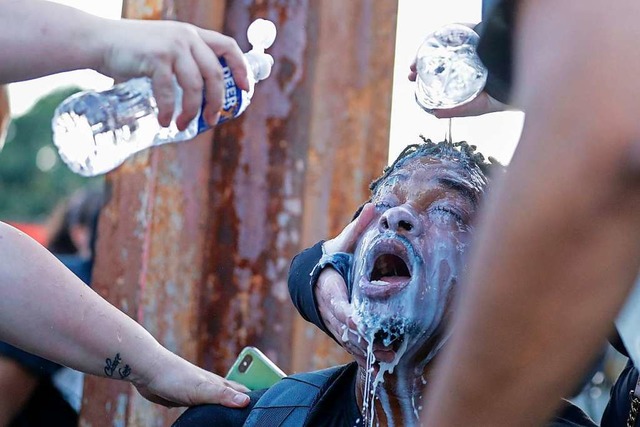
point(385, 327)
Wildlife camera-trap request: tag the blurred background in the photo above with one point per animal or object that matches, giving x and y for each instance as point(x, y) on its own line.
point(186, 224)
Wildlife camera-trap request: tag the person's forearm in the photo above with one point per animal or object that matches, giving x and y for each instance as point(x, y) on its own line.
point(559, 246)
point(542, 292)
point(47, 310)
point(40, 37)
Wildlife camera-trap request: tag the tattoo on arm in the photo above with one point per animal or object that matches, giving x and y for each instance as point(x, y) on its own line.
point(112, 365)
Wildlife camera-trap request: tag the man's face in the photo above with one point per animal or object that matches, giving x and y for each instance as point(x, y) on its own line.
point(408, 261)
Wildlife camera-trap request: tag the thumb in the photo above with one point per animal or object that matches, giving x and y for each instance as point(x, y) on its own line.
point(223, 394)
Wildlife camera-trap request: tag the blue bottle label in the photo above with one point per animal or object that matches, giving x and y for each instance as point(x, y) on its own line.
point(232, 99)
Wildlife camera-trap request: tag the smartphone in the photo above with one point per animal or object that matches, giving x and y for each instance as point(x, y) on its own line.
point(254, 370)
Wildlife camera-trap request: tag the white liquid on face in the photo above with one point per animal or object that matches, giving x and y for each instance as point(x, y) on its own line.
point(415, 316)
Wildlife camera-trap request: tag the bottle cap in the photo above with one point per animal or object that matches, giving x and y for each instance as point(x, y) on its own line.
point(261, 34)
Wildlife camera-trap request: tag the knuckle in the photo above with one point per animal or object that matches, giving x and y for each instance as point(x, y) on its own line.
point(182, 35)
point(214, 73)
point(194, 85)
point(228, 42)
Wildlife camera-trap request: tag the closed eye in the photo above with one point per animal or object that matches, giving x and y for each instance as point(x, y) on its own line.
point(449, 211)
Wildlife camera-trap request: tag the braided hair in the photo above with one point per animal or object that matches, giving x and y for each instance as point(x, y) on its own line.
point(461, 152)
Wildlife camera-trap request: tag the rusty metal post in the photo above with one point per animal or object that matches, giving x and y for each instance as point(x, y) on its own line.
point(196, 239)
point(294, 169)
point(348, 132)
point(151, 241)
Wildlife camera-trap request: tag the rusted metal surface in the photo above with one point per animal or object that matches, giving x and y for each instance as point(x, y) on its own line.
point(144, 9)
point(351, 62)
point(255, 201)
point(5, 114)
point(150, 250)
point(293, 170)
point(196, 240)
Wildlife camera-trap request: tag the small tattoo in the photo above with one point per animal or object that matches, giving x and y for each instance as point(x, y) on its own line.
point(112, 365)
point(124, 372)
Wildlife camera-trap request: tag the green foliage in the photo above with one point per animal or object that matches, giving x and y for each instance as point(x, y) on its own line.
point(28, 193)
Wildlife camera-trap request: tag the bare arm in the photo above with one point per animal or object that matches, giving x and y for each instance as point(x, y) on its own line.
point(560, 244)
point(40, 37)
point(47, 310)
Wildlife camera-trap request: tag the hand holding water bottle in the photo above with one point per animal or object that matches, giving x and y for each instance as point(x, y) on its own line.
point(164, 49)
point(97, 131)
point(483, 103)
point(449, 75)
point(42, 37)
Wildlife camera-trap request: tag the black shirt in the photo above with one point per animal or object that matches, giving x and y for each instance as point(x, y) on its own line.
point(337, 405)
point(496, 46)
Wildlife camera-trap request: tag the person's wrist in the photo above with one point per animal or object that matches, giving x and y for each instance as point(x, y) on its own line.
point(147, 366)
point(100, 44)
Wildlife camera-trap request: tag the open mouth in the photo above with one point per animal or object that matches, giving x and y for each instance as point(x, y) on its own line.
point(389, 268)
point(389, 261)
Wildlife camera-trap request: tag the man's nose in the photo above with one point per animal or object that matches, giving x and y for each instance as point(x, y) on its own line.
point(401, 220)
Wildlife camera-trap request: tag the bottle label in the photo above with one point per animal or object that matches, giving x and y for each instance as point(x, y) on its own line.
point(231, 107)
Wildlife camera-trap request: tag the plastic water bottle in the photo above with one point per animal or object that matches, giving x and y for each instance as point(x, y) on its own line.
point(97, 131)
point(450, 72)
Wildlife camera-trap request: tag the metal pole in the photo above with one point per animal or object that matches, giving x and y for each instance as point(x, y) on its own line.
point(293, 170)
point(151, 243)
